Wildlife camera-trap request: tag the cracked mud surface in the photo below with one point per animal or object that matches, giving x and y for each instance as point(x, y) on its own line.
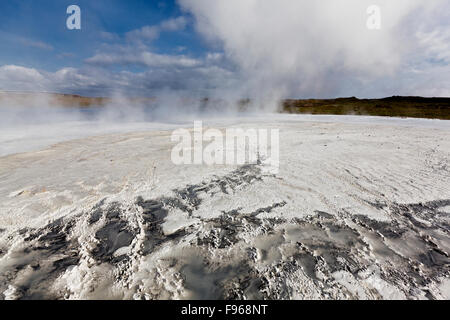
point(122, 251)
point(357, 211)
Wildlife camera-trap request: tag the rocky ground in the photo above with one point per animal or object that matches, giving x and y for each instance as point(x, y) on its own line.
point(357, 211)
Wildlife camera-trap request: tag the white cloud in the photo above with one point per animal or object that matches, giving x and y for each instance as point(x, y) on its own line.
point(109, 36)
point(14, 77)
point(272, 49)
point(312, 48)
point(144, 33)
point(149, 33)
point(436, 43)
point(24, 41)
point(201, 79)
point(99, 75)
point(145, 58)
point(174, 24)
point(35, 44)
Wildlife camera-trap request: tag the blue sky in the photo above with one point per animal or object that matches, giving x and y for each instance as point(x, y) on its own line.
point(237, 48)
point(35, 39)
point(34, 33)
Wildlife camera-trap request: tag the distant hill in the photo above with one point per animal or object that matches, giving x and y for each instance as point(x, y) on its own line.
point(396, 106)
point(51, 99)
point(8, 98)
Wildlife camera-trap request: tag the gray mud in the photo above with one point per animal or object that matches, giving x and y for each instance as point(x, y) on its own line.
point(239, 254)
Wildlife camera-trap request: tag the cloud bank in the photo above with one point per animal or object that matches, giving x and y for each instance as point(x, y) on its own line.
point(268, 50)
point(311, 48)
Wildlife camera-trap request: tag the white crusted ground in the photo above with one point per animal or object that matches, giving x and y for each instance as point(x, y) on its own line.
point(359, 209)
